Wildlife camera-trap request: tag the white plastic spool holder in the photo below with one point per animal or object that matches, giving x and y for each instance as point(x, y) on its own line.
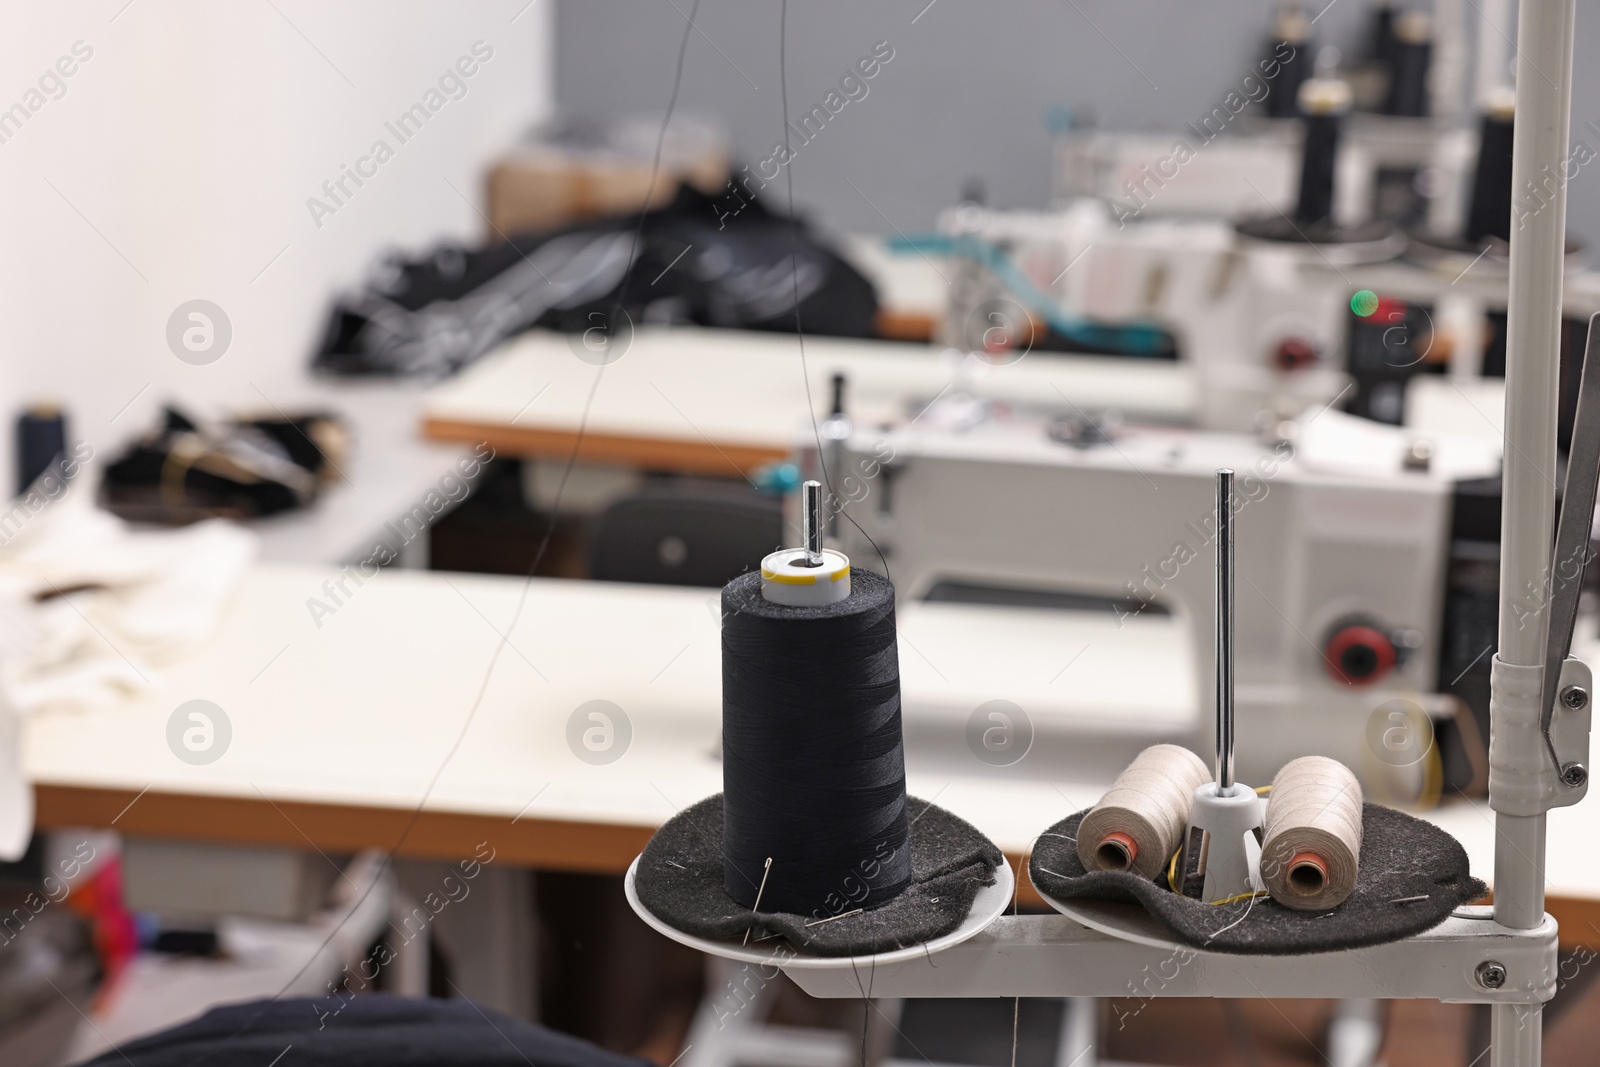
point(808, 576)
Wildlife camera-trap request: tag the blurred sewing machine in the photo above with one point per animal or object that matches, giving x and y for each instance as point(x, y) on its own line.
point(1269, 246)
point(1353, 611)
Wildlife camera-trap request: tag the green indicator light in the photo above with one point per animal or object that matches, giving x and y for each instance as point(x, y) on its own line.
point(1364, 303)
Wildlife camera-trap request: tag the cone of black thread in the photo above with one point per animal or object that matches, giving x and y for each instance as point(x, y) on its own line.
point(1318, 159)
point(1490, 211)
point(813, 758)
point(1408, 78)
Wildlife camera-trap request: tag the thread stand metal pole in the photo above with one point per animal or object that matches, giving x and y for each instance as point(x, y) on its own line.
point(1224, 768)
point(1533, 342)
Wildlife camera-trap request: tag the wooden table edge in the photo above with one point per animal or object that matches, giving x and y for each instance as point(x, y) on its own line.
point(652, 453)
point(526, 841)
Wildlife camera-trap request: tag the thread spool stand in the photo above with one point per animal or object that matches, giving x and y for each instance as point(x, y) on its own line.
point(1101, 948)
point(1503, 956)
point(1226, 811)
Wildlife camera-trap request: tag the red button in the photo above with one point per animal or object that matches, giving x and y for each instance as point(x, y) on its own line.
point(1359, 655)
point(1294, 353)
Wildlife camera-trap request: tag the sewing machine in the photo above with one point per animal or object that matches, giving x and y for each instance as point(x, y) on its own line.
point(1342, 562)
point(1281, 301)
point(1265, 326)
point(1243, 315)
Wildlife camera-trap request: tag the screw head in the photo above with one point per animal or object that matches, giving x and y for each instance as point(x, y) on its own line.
point(1574, 697)
point(1490, 974)
point(1574, 774)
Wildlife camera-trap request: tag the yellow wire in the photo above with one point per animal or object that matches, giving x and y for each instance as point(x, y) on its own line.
point(1432, 779)
point(1238, 897)
point(1263, 790)
point(1432, 770)
point(1172, 882)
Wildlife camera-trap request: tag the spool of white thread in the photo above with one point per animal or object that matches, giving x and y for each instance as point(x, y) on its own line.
point(1312, 844)
point(1141, 820)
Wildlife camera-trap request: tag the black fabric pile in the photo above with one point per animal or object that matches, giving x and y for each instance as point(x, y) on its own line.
point(183, 471)
point(696, 263)
point(679, 879)
point(1412, 875)
point(370, 1030)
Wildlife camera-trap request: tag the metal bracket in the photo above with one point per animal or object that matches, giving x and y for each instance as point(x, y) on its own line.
point(1574, 528)
point(1568, 733)
point(1539, 715)
point(1469, 958)
point(1529, 775)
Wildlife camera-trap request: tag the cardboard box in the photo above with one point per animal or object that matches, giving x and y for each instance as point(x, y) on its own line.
point(540, 187)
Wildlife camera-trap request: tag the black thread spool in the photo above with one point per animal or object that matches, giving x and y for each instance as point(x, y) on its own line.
point(813, 757)
point(1410, 54)
point(1381, 43)
point(41, 441)
point(1324, 102)
point(1289, 46)
point(1490, 213)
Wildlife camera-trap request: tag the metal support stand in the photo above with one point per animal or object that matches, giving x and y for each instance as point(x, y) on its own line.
point(1469, 958)
point(1504, 957)
point(1538, 240)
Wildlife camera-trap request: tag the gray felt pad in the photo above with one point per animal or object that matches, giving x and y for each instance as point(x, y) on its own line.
point(1401, 858)
point(680, 880)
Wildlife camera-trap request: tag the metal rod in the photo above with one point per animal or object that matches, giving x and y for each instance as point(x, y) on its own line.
point(811, 522)
point(1224, 629)
point(1538, 245)
point(1538, 236)
point(1516, 1035)
point(1533, 324)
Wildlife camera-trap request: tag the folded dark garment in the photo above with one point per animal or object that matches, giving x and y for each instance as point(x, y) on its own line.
point(182, 471)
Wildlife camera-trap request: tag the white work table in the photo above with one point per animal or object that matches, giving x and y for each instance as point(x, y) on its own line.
point(725, 402)
point(338, 730)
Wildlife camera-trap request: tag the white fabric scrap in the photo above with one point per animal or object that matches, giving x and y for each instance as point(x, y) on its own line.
point(91, 610)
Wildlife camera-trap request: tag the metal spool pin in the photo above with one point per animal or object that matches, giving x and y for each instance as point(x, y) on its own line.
point(813, 576)
point(1224, 764)
point(811, 522)
point(1228, 812)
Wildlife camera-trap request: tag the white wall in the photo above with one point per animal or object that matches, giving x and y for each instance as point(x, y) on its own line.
point(177, 165)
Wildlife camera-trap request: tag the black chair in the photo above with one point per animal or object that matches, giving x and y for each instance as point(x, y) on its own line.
point(685, 531)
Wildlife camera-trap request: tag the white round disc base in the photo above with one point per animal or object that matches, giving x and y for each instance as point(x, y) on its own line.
point(784, 581)
point(990, 903)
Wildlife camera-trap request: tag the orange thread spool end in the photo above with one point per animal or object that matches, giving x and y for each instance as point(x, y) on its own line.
point(1117, 851)
point(1308, 873)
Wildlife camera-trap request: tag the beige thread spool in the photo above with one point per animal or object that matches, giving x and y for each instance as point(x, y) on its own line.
point(1140, 822)
point(1312, 843)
